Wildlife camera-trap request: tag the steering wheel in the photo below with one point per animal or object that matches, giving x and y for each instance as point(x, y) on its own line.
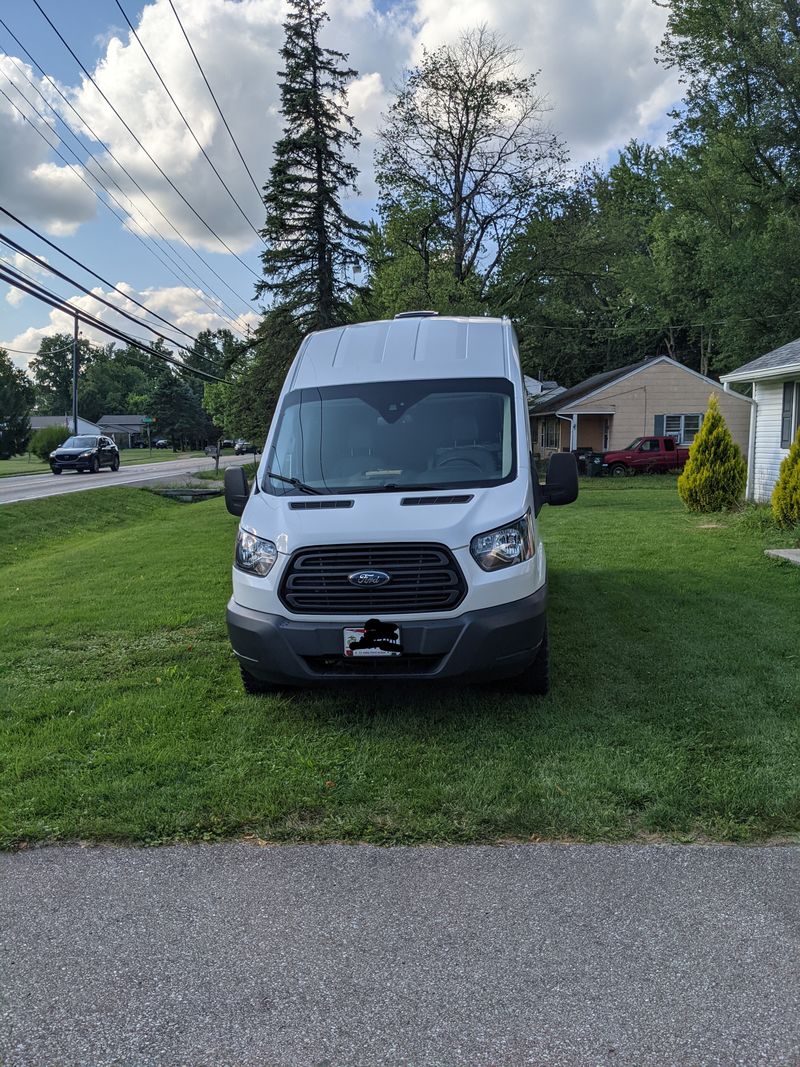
point(460, 460)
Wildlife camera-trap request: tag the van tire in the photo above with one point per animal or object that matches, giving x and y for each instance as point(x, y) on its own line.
point(255, 686)
point(535, 680)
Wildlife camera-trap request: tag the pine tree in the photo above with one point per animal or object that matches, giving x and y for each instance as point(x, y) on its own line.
point(311, 242)
point(786, 494)
point(715, 474)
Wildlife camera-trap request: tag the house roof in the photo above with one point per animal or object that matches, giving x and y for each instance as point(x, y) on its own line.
point(556, 402)
point(120, 421)
point(787, 357)
point(38, 422)
point(570, 397)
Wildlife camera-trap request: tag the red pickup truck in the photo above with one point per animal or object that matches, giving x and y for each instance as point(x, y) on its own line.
point(646, 455)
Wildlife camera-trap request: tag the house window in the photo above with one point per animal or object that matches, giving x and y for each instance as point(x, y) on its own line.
point(684, 428)
point(548, 434)
point(790, 413)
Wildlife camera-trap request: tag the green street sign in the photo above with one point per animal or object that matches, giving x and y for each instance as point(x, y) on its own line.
point(147, 419)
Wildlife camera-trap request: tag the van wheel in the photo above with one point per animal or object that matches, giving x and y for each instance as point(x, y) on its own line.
point(255, 686)
point(535, 680)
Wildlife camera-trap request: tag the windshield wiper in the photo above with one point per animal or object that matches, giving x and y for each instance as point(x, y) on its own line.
point(295, 482)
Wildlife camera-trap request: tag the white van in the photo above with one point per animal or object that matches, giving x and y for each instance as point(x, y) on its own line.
point(391, 530)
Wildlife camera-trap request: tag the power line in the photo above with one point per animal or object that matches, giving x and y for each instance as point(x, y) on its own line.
point(28, 352)
point(88, 270)
point(81, 178)
point(42, 263)
point(186, 122)
point(14, 278)
point(130, 177)
point(181, 274)
point(213, 97)
point(160, 170)
point(88, 292)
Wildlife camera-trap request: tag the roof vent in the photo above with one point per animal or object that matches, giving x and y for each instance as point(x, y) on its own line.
point(417, 315)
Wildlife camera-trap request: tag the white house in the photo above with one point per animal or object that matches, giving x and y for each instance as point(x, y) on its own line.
point(84, 426)
point(774, 417)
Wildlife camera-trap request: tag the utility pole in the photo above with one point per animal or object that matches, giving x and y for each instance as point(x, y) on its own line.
point(75, 378)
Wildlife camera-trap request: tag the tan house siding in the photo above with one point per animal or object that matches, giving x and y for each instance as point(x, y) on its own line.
point(663, 389)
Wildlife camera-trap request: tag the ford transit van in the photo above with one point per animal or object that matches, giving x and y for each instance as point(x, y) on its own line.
point(391, 529)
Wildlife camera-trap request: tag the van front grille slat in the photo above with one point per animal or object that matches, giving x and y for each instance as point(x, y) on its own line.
point(423, 577)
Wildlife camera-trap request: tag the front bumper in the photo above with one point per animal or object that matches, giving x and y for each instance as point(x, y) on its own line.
point(71, 464)
point(496, 642)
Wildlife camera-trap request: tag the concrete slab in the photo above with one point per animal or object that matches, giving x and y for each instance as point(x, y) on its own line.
point(790, 554)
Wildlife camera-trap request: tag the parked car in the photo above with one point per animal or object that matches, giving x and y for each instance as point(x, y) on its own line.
point(161, 443)
point(85, 453)
point(646, 455)
point(392, 527)
point(226, 443)
point(241, 446)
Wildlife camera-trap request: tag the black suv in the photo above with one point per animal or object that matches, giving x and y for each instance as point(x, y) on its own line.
point(85, 453)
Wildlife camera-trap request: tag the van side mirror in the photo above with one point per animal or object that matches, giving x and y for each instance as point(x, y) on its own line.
point(236, 490)
point(561, 486)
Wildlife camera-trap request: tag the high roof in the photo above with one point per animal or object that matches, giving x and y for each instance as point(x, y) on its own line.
point(787, 357)
point(405, 349)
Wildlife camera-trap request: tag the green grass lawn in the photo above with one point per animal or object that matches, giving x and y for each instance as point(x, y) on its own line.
point(30, 464)
point(675, 709)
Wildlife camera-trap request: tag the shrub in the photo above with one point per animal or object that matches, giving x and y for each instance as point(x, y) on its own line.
point(45, 440)
point(715, 474)
point(786, 494)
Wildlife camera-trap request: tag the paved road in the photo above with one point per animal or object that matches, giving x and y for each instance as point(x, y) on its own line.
point(35, 486)
point(333, 955)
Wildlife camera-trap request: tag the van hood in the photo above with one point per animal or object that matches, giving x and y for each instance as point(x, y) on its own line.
point(294, 522)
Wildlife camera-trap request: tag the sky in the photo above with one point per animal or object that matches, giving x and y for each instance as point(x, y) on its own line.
point(596, 68)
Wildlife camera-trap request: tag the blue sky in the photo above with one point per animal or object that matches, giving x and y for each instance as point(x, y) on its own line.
point(597, 69)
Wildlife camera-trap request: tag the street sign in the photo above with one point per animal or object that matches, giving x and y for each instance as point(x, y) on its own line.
point(147, 419)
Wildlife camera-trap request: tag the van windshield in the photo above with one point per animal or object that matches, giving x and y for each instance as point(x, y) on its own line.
point(380, 436)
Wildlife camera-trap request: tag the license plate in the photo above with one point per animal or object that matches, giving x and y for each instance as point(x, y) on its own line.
point(373, 639)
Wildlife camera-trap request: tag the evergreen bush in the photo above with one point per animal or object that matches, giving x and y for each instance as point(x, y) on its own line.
point(715, 474)
point(47, 439)
point(786, 494)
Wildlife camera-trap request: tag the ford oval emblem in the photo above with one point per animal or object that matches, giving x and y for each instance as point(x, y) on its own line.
point(369, 578)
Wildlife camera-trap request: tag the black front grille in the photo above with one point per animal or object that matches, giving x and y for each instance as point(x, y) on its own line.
point(422, 578)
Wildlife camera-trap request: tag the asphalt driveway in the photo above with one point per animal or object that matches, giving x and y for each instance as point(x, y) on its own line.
point(336, 955)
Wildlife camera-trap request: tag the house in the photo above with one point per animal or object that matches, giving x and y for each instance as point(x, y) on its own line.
point(607, 411)
point(126, 430)
point(84, 426)
point(775, 379)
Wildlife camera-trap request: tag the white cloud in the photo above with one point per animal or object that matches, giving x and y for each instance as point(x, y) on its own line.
point(33, 185)
point(595, 57)
point(180, 305)
point(14, 297)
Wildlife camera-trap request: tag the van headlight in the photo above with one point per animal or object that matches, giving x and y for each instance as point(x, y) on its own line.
point(254, 554)
point(505, 546)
